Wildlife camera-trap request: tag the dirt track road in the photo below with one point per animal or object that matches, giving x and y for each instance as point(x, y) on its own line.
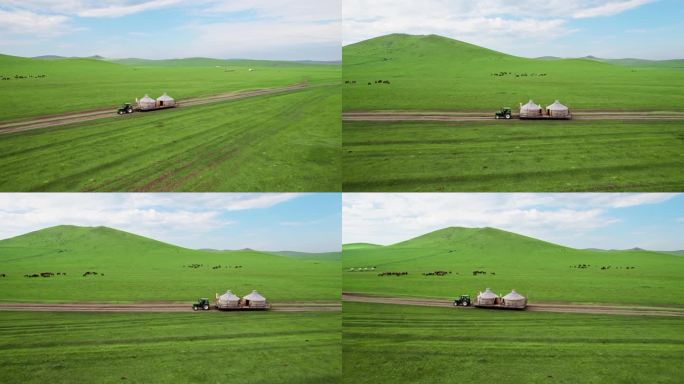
point(78, 117)
point(536, 307)
point(295, 306)
point(446, 116)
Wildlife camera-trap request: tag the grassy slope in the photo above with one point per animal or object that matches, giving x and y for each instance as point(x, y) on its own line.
point(432, 72)
point(153, 348)
point(273, 143)
point(538, 269)
point(140, 269)
point(81, 84)
point(395, 344)
point(517, 156)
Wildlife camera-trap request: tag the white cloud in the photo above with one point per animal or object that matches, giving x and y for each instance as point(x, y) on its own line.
point(259, 37)
point(495, 23)
point(610, 8)
point(167, 217)
point(116, 10)
point(390, 218)
point(27, 22)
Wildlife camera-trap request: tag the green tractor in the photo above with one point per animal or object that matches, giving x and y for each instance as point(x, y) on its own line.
point(126, 108)
point(504, 113)
point(463, 301)
point(202, 304)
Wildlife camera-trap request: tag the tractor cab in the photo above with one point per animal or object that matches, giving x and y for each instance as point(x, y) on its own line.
point(202, 304)
point(463, 301)
point(126, 108)
point(504, 113)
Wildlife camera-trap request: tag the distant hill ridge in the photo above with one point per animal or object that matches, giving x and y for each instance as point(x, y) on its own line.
point(484, 236)
point(82, 237)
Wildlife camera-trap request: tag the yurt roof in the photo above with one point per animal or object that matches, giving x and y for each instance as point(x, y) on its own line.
point(165, 97)
point(254, 296)
point(514, 296)
point(488, 294)
point(531, 105)
point(147, 99)
point(557, 106)
point(229, 296)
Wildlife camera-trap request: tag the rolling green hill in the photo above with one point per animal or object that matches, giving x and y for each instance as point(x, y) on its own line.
point(541, 270)
point(359, 246)
point(76, 84)
point(309, 255)
point(135, 268)
point(438, 73)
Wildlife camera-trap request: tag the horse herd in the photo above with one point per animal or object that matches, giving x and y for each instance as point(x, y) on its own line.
point(524, 74)
point(195, 266)
point(585, 266)
point(19, 77)
point(370, 82)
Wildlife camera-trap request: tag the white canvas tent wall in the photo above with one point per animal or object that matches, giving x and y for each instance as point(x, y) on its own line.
point(487, 297)
point(530, 109)
point(515, 300)
point(558, 110)
point(254, 300)
point(165, 101)
point(147, 103)
point(228, 300)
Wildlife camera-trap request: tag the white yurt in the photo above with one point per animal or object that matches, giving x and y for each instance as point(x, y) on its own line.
point(254, 300)
point(165, 101)
point(487, 297)
point(147, 103)
point(558, 110)
point(514, 300)
point(228, 300)
point(530, 109)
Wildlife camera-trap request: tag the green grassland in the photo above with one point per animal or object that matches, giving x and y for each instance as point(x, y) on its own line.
point(287, 142)
point(513, 156)
point(403, 344)
point(141, 269)
point(437, 73)
point(540, 270)
point(214, 347)
point(81, 84)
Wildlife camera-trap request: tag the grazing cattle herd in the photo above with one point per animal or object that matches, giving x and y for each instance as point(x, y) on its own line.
point(20, 77)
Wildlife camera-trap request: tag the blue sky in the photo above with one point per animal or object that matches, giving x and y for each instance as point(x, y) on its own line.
point(157, 29)
point(294, 222)
point(585, 220)
point(650, 29)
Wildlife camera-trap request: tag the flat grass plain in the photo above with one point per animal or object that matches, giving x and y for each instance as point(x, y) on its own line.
point(287, 142)
point(405, 344)
point(540, 270)
point(514, 156)
point(437, 73)
point(213, 347)
point(81, 84)
point(137, 269)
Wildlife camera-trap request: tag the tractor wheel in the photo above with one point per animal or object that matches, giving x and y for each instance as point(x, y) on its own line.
point(496, 117)
point(194, 308)
point(508, 115)
point(120, 112)
point(129, 110)
point(206, 307)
